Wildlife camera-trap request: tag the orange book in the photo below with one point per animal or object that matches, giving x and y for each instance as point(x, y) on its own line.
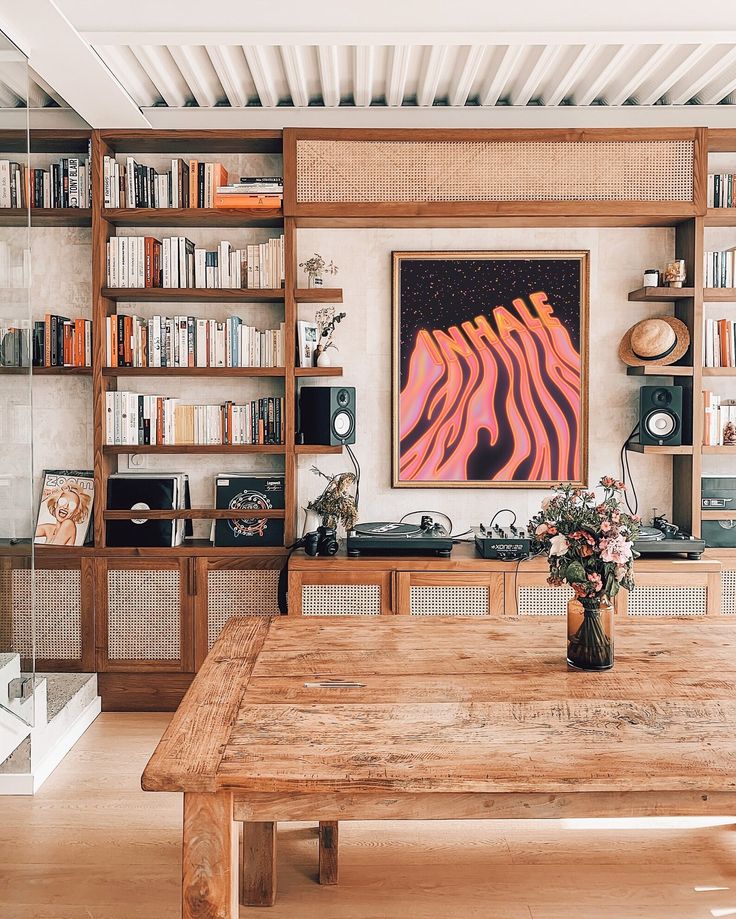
point(193, 178)
point(112, 334)
point(47, 340)
point(128, 343)
point(79, 342)
point(723, 340)
point(247, 201)
point(68, 344)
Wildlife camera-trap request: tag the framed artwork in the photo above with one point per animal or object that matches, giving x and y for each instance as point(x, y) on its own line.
point(307, 334)
point(490, 368)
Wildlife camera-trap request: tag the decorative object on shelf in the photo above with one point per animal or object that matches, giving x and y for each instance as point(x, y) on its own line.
point(336, 505)
point(65, 508)
point(674, 273)
point(651, 277)
point(315, 268)
point(660, 341)
point(589, 546)
point(327, 320)
point(489, 319)
point(251, 492)
point(307, 337)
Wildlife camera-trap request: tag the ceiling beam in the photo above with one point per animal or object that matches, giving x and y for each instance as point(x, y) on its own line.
point(51, 42)
point(400, 57)
point(149, 57)
point(461, 90)
point(227, 75)
point(127, 69)
point(363, 76)
point(712, 73)
point(502, 75)
point(188, 58)
point(536, 75)
point(329, 74)
point(619, 59)
point(435, 56)
point(259, 71)
point(294, 71)
point(641, 74)
point(574, 71)
point(722, 91)
point(658, 90)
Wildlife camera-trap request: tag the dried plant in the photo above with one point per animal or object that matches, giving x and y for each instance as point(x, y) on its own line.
point(316, 265)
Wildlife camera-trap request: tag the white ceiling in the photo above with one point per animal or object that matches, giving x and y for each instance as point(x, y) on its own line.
point(271, 64)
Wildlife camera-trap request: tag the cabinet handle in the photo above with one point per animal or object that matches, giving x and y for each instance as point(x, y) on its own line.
point(191, 577)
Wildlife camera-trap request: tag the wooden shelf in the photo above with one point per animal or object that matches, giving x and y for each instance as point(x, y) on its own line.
point(194, 448)
point(307, 449)
point(194, 513)
point(133, 140)
point(661, 294)
point(46, 217)
point(193, 217)
point(318, 295)
point(719, 294)
point(192, 547)
point(719, 371)
point(684, 450)
point(718, 515)
point(673, 370)
point(318, 372)
point(720, 450)
point(193, 295)
point(193, 371)
point(720, 217)
point(48, 371)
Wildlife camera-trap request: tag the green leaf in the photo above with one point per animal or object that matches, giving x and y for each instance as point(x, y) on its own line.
point(575, 573)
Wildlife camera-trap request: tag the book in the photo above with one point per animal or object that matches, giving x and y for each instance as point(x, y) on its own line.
point(65, 507)
point(251, 492)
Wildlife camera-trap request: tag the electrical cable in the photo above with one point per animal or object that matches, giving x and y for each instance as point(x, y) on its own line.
point(356, 466)
point(439, 514)
point(503, 510)
point(626, 471)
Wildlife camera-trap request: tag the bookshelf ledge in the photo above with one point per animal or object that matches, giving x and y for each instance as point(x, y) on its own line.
point(683, 450)
point(194, 513)
point(306, 449)
point(46, 217)
point(193, 448)
point(661, 294)
point(660, 371)
point(193, 217)
point(193, 371)
point(716, 294)
point(194, 294)
point(318, 372)
point(318, 295)
point(720, 449)
point(720, 217)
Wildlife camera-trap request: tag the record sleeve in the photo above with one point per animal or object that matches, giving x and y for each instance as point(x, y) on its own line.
point(250, 492)
point(65, 508)
point(138, 492)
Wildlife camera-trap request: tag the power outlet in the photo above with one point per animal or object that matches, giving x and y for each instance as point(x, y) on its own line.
point(137, 460)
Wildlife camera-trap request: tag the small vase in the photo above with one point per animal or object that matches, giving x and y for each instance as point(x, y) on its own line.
point(315, 280)
point(324, 359)
point(590, 633)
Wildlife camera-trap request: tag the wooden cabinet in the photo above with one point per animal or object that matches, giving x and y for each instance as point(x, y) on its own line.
point(315, 591)
point(432, 593)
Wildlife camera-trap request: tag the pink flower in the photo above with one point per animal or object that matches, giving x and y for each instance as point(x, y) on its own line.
point(616, 516)
point(541, 529)
point(558, 545)
point(616, 550)
point(605, 526)
point(595, 580)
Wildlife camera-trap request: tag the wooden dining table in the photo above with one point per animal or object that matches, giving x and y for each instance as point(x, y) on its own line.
point(398, 717)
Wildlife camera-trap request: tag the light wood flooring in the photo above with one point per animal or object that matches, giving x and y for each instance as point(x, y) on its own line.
point(91, 845)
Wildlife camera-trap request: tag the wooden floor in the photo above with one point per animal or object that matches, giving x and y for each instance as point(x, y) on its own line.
point(91, 845)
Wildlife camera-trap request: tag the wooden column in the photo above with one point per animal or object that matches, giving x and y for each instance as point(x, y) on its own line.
point(209, 857)
point(258, 866)
point(328, 840)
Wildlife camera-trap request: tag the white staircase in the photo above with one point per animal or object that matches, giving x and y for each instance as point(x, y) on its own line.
point(41, 719)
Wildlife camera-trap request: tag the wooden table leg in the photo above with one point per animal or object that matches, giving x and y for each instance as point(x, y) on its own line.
point(258, 867)
point(209, 857)
point(328, 838)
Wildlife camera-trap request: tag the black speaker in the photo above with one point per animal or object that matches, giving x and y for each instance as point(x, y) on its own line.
point(660, 416)
point(327, 415)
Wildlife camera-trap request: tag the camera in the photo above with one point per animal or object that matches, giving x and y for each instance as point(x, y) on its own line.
point(322, 541)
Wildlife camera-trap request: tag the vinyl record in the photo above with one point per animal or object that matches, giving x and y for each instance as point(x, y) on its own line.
point(387, 530)
point(649, 533)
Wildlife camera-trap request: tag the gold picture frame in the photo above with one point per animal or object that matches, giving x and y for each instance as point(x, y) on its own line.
point(581, 275)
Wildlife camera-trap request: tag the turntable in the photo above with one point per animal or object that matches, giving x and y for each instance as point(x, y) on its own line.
point(667, 539)
point(399, 539)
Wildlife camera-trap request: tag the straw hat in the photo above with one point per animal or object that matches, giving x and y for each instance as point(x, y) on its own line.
point(663, 340)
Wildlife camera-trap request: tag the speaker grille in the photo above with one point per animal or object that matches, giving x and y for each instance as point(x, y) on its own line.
point(143, 614)
point(341, 599)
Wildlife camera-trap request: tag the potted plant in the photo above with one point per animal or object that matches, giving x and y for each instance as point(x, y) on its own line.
point(589, 546)
point(336, 504)
point(327, 321)
point(315, 267)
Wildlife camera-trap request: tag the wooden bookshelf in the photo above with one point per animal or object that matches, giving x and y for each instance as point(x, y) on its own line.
point(193, 217)
point(670, 370)
point(193, 295)
point(661, 294)
point(721, 450)
point(719, 371)
point(720, 217)
point(307, 449)
point(48, 371)
point(682, 450)
point(46, 217)
point(318, 372)
point(195, 513)
point(221, 372)
point(257, 449)
point(719, 294)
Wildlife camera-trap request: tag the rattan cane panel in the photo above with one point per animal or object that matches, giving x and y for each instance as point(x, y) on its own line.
point(668, 601)
point(533, 600)
point(728, 585)
point(239, 592)
point(143, 619)
point(334, 171)
point(449, 601)
point(341, 599)
point(56, 608)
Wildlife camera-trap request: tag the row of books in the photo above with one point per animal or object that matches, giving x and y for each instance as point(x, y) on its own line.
point(62, 342)
point(64, 184)
point(719, 268)
point(14, 343)
point(140, 420)
point(719, 343)
point(721, 190)
point(188, 184)
point(186, 341)
point(143, 261)
point(719, 425)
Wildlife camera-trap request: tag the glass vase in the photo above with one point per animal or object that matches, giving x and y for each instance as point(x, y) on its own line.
point(590, 633)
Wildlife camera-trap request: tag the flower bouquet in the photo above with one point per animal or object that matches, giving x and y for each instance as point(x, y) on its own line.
point(589, 546)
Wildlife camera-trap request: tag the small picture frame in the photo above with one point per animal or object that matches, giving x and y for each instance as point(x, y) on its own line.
point(308, 339)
